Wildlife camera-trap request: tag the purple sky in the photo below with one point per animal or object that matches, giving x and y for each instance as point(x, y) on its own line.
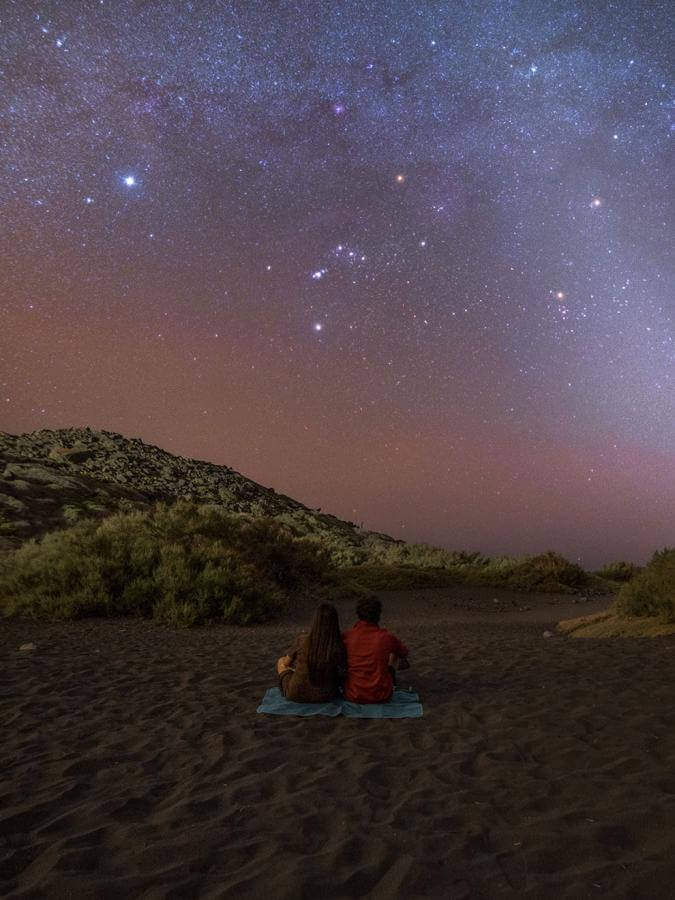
point(411, 263)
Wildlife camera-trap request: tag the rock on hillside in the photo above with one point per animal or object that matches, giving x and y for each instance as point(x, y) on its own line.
point(53, 478)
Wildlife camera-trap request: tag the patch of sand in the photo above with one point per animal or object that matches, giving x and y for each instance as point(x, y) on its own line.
point(134, 764)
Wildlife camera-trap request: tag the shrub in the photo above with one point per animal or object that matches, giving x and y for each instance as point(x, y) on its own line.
point(652, 591)
point(182, 564)
point(399, 566)
point(399, 578)
point(546, 572)
point(618, 571)
point(422, 556)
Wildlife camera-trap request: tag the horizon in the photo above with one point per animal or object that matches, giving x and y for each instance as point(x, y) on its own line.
point(411, 266)
point(587, 562)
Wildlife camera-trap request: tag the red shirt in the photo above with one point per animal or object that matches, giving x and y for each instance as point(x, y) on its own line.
point(368, 677)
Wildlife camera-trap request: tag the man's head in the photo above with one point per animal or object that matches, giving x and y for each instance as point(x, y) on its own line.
point(369, 610)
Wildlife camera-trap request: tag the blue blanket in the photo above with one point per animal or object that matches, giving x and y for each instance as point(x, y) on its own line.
point(403, 705)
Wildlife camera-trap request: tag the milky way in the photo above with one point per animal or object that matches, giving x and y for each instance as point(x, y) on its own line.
point(409, 262)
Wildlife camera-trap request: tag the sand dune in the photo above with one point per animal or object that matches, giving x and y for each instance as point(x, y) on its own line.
point(134, 764)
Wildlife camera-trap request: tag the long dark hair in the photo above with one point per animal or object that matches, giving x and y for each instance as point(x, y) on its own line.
point(324, 648)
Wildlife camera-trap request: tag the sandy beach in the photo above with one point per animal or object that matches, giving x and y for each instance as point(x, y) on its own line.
point(133, 762)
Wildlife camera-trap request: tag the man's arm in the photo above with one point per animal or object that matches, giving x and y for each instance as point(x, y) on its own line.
point(398, 647)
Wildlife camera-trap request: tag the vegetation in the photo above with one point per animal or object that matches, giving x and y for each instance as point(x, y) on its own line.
point(652, 591)
point(188, 564)
point(183, 564)
point(397, 578)
point(400, 566)
point(645, 605)
point(618, 571)
point(610, 624)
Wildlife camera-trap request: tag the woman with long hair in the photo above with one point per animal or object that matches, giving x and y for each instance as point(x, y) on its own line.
point(313, 669)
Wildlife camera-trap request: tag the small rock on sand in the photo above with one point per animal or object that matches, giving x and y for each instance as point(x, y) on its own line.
point(548, 634)
point(27, 647)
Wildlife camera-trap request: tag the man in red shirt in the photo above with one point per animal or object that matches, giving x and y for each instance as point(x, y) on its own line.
point(372, 653)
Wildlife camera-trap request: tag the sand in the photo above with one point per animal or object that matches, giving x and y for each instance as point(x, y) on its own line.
point(133, 763)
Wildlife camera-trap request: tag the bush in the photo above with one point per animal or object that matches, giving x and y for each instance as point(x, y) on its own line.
point(399, 578)
point(652, 591)
point(618, 571)
point(423, 556)
point(547, 572)
point(401, 566)
point(182, 564)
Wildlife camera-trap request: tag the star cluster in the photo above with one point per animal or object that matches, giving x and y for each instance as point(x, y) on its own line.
point(408, 262)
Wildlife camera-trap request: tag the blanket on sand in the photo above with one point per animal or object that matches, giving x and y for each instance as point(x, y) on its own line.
point(403, 705)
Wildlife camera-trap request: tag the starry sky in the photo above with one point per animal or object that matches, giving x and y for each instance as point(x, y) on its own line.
point(409, 262)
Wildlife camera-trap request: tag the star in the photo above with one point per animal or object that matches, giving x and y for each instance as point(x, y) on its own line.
point(238, 141)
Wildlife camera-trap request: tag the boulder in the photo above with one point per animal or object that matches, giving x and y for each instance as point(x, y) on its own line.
point(10, 502)
point(70, 454)
point(37, 474)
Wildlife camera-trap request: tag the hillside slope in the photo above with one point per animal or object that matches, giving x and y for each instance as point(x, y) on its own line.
point(49, 479)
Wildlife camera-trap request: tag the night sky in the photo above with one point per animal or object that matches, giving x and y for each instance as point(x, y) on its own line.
point(408, 262)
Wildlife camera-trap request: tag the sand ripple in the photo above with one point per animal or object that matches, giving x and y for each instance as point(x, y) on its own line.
point(133, 764)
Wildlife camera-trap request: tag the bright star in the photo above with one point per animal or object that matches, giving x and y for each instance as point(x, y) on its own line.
point(400, 178)
point(318, 274)
point(318, 326)
point(596, 202)
point(560, 295)
point(129, 180)
point(88, 200)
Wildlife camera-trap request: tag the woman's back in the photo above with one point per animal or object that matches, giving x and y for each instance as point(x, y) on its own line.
point(317, 662)
point(298, 685)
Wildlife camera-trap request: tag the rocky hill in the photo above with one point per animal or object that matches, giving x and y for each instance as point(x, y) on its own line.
point(50, 479)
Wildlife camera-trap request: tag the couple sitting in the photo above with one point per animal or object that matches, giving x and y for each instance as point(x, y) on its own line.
point(361, 661)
